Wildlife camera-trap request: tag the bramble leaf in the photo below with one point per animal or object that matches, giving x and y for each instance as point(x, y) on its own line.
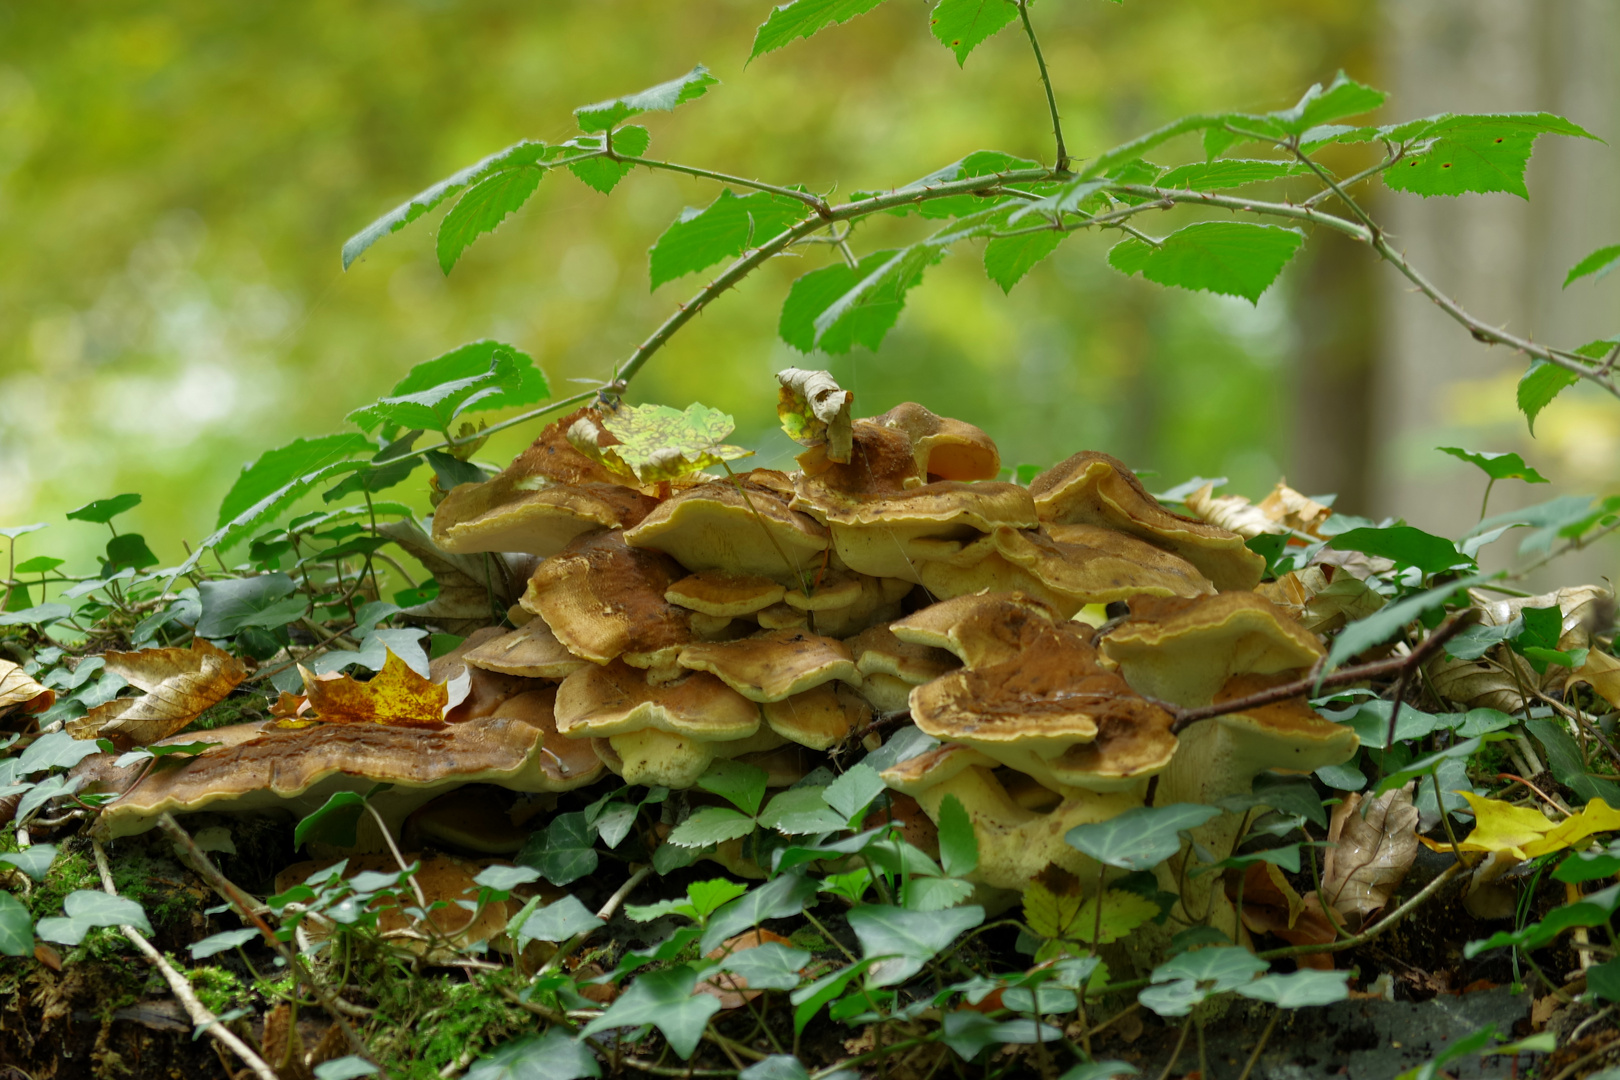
point(1009, 258)
point(515, 156)
point(1540, 383)
point(436, 407)
point(661, 98)
point(1300, 988)
point(275, 469)
point(726, 227)
point(802, 18)
point(868, 309)
point(711, 825)
point(1223, 173)
point(1597, 265)
point(1343, 97)
point(484, 207)
point(603, 173)
point(1496, 466)
point(962, 25)
point(1472, 153)
point(527, 383)
point(1236, 258)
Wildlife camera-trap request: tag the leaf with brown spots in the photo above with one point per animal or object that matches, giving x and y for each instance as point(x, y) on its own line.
point(180, 685)
point(396, 696)
point(17, 687)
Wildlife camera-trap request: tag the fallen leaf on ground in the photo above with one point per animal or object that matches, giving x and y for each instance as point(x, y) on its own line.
point(474, 590)
point(1499, 679)
point(1525, 832)
point(1602, 673)
point(180, 685)
point(1272, 906)
point(17, 687)
point(1322, 599)
point(1372, 855)
point(732, 989)
point(1284, 510)
point(396, 696)
point(289, 706)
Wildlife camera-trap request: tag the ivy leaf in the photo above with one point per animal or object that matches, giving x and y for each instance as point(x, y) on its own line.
point(1568, 765)
point(347, 1067)
point(1593, 909)
point(1224, 173)
point(39, 615)
point(1496, 466)
point(802, 18)
point(231, 604)
point(726, 227)
point(782, 896)
point(92, 907)
point(336, 822)
point(553, 1055)
point(55, 750)
point(1189, 977)
point(1299, 989)
point(934, 893)
point(1387, 621)
point(711, 825)
point(35, 861)
point(603, 173)
point(771, 966)
point(1597, 265)
point(277, 468)
point(808, 1000)
point(483, 208)
point(1008, 258)
point(903, 941)
point(129, 549)
point(1472, 153)
point(739, 783)
point(1142, 838)
point(958, 846)
point(16, 927)
point(1234, 258)
point(563, 852)
point(516, 156)
point(101, 511)
point(1404, 545)
point(557, 921)
point(961, 25)
point(214, 944)
point(668, 1001)
point(662, 98)
point(525, 383)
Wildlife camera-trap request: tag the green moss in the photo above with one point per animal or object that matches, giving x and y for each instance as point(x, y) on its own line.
point(219, 989)
point(233, 710)
point(806, 938)
point(425, 1023)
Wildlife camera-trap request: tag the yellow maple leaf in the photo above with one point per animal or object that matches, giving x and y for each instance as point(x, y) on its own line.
point(396, 696)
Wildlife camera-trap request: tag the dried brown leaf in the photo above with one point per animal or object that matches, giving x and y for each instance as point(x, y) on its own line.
point(474, 590)
point(1284, 510)
point(18, 688)
point(1602, 673)
point(180, 685)
point(1322, 599)
point(1375, 848)
point(395, 696)
point(1503, 680)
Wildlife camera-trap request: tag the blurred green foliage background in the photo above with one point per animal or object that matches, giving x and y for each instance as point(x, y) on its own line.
point(176, 179)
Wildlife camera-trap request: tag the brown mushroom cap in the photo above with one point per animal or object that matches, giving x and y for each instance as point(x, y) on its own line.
point(660, 734)
point(774, 665)
point(1052, 712)
point(877, 651)
point(820, 717)
point(510, 512)
point(603, 599)
point(741, 525)
point(1091, 488)
point(882, 460)
point(984, 628)
point(264, 767)
point(532, 651)
point(1015, 844)
point(717, 593)
point(873, 534)
point(842, 602)
point(1183, 651)
point(943, 447)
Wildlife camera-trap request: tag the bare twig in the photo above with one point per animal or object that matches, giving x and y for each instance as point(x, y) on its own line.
point(200, 1015)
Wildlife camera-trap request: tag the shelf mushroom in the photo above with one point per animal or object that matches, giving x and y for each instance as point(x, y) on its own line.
point(775, 664)
point(1092, 488)
point(890, 667)
point(741, 525)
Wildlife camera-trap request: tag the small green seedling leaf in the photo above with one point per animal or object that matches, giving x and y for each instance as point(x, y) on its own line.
point(1234, 258)
point(662, 98)
point(666, 1000)
point(102, 511)
point(1101, 1070)
point(1299, 989)
point(739, 783)
point(958, 846)
point(221, 942)
point(903, 941)
point(853, 792)
point(552, 1055)
point(337, 822)
point(1597, 265)
point(349, 1067)
point(1497, 466)
point(1142, 838)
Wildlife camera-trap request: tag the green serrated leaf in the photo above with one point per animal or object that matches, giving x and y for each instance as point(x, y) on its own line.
point(868, 310)
point(962, 25)
point(1009, 258)
point(518, 155)
point(1598, 265)
point(739, 783)
point(437, 407)
point(854, 791)
point(1235, 258)
point(525, 384)
point(1503, 466)
point(711, 825)
point(661, 98)
point(726, 227)
point(1472, 153)
point(1540, 383)
point(802, 18)
point(275, 469)
point(1343, 97)
point(799, 812)
point(814, 292)
point(1122, 912)
point(484, 206)
point(1051, 914)
point(604, 173)
point(1224, 173)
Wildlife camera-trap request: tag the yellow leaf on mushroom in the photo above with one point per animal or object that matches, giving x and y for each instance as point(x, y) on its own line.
point(17, 687)
point(396, 696)
point(180, 685)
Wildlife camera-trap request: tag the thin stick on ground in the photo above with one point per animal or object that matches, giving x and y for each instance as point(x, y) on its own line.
point(200, 1015)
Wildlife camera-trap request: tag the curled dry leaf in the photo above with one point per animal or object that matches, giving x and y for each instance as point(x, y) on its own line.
point(1502, 679)
point(395, 696)
point(18, 688)
point(1270, 905)
point(1322, 599)
point(180, 685)
point(1284, 510)
point(814, 411)
point(474, 590)
point(1602, 673)
point(1374, 851)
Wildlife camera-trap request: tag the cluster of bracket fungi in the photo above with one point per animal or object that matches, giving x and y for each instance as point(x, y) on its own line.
point(774, 617)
